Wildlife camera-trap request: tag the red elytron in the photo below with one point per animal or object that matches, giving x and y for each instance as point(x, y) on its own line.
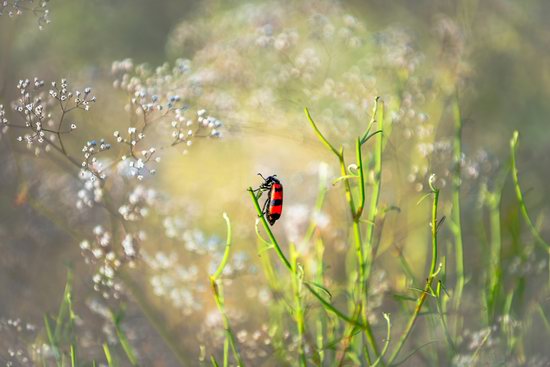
point(273, 206)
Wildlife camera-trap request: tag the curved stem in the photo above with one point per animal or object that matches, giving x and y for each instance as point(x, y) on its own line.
point(386, 343)
point(320, 135)
point(519, 194)
point(219, 298)
point(225, 258)
point(268, 230)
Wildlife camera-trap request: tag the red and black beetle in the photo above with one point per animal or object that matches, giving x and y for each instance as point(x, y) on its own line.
point(273, 206)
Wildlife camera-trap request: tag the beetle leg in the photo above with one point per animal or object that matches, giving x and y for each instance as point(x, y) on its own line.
point(264, 209)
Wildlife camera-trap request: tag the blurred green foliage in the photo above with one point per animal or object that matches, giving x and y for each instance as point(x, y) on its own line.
point(492, 55)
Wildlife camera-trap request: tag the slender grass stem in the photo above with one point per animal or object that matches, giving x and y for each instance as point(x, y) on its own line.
point(377, 187)
point(219, 298)
point(321, 323)
point(519, 194)
point(320, 135)
point(225, 258)
point(297, 283)
point(274, 242)
point(386, 342)
point(456, 227)
point(359, 159)
point(521, 200)
point(492, 200)
point(422, 298)
point(440, 311)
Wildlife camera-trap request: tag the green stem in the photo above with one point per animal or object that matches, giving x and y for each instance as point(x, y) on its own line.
point(297, 283)
point(522, 205)
point(386, 343)
point(493, 203)
point(375, 198)
point(225, 258)
point(456, 217)
point(268, 230)
point(319, 134)
point(429, 281)
point(219, 298)
point(519, 194)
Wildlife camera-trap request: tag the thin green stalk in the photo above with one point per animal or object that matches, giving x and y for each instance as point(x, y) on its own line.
point(274, 242)
point(359, 159)
point(355, 214)
point(52, 341)
point(219, 298)
point(110, 361)
point(65, 309)
point(377, 186)
point(522, 205)
point(214, 362)
point(320, 324)
point(492, 200)
point(319, 134)
point(519, 194)
point(226, 352)
point(225, 258)
point(439, 306)
point(456, 227)
point(431, 276)
point(386, 342)
point(74, 362)
point(297, 283)
point(367, 134)
point(123, 339)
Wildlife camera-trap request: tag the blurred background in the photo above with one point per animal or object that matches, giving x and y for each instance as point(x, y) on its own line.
point(253, 66)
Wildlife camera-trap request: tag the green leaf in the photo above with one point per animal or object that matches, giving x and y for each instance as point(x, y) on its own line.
point(321, 287)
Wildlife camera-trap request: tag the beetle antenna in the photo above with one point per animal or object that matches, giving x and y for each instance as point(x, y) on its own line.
point(259, 174)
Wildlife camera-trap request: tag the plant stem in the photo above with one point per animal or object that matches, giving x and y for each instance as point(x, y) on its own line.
point(297, 283)
point(429, 281)
point(519, 194)
point(268, 230)
point(377, 186)
point(456, 212)
point(219, 298)
point(522, 205)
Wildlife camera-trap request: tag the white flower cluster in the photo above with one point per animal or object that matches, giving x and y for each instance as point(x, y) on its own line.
point(43, 129)
point(138, 204)
point(38, 8)
point(90, 164)
point(162, 96)
point(135, 163)
point(91, 191)
point(102, 252)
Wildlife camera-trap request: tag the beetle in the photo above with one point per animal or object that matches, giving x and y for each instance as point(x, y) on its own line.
point(273, 206)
